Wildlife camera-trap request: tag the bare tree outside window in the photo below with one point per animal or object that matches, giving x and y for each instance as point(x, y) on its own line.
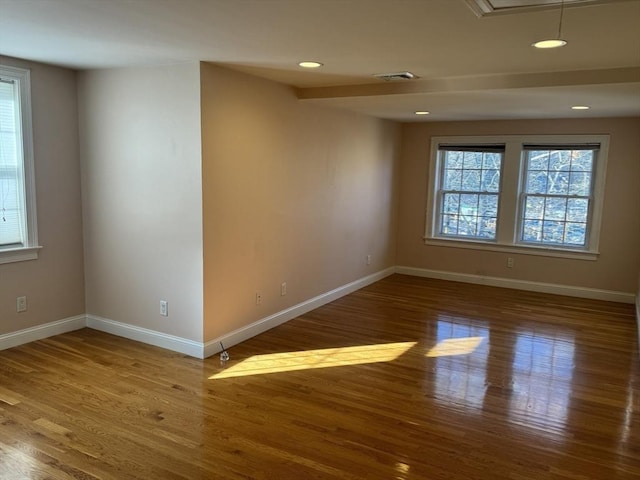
point(557, 196)
point(469, 194)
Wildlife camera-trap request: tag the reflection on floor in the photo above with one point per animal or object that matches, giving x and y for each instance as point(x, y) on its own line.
point(536, 382)
point(461, 380)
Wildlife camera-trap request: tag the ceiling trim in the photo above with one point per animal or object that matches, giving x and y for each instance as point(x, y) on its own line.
point(483, 8)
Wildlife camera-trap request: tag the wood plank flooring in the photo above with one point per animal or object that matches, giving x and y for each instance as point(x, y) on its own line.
point(408, 378)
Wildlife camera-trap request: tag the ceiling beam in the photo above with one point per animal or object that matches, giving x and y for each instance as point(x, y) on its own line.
point(475, 83)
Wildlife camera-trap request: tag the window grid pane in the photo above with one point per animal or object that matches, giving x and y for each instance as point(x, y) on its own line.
point(469, 195)
point(557, 197)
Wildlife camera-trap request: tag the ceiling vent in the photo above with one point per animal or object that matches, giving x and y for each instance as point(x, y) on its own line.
point(389, 77)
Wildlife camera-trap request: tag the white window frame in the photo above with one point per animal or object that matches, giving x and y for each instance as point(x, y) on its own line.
point(509, 202)
point(30, 248)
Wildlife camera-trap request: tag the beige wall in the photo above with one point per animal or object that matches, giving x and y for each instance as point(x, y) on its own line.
point(53, 283)
point(291, 193)
point(616, 268)
point(203, 186)
point(141, 185)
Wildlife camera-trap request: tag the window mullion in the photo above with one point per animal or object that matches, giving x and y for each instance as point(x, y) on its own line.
point(508, 206)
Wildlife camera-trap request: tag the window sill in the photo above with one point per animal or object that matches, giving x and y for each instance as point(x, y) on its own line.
point(19, 254)
point(510, 248)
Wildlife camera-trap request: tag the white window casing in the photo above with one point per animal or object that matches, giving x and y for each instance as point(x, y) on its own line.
point(19, 235)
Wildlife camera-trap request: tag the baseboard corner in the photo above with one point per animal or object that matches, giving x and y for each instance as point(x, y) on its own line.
point(145, 335)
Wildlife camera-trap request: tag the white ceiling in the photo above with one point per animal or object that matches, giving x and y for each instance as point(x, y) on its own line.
point(470, 67)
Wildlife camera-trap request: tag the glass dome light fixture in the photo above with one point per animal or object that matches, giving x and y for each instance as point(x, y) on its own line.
point(553, 42)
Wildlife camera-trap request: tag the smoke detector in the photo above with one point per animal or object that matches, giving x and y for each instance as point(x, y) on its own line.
point(388, 77)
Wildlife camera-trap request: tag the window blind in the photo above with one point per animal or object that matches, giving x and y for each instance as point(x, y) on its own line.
point(498, 148)
point(551, 147)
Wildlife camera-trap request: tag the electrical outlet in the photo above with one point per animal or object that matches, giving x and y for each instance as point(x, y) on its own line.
point(368, 259)
point(510, 262)
point(283, 289)
point(21, 304)
point(164, 308)
point(258, 298)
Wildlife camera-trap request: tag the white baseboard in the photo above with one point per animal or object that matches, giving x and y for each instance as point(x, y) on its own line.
point(13, 339)
point(203, 350)
point(179, 344)
point(144, 335)
point(571, 291)
point(240, 335)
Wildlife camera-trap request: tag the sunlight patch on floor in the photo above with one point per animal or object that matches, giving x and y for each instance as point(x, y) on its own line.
point(455, 346)
point(310, 359)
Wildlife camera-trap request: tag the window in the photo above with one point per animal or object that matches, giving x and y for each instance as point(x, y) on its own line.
point(18, 232)
point(557, 194)
point(530, 194)
point(470, 186)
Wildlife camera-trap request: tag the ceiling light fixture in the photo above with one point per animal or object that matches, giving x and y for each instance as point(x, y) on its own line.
point(422, 112)
point(310, 64)
point(580, 107)
point(554, 42)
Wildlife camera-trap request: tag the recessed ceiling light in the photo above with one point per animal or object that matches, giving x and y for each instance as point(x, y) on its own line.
point(310, 64)
point(580, 107)
point(555, 43)
point(422, 112)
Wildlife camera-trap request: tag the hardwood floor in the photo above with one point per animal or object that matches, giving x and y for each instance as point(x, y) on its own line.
point(408, 378)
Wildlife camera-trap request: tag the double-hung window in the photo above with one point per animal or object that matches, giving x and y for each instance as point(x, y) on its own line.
point(469, 187)
point(18, 232)
point(557, 195)
point(530, 194)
